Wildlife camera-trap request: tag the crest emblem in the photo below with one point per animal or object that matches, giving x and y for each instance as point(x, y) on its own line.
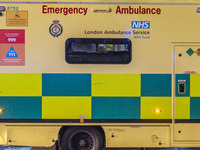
point(55, 29)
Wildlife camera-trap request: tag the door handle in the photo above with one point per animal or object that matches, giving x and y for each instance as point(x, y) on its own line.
point(181, 88)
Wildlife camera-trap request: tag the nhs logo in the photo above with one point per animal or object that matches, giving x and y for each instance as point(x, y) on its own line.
point(140, 24)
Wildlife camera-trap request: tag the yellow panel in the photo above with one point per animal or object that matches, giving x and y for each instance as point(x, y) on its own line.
point(187, 63)
point(146, 54)
point(182, 108)
point(32, 135)
point(66, 107)
point(149, 106)
point(194, 85)
point(20, 84)
point(116, 84)
point(187, 132)
point(2, 135)
point(137, 136)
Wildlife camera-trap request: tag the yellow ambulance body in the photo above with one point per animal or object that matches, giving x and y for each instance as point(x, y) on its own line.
point(100, 73)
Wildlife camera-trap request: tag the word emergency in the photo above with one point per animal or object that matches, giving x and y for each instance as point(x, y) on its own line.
point(63, 10)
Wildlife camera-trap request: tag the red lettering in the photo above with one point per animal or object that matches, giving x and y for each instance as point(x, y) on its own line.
point(118, 10)
point(64, 10)
point(61, 10)
point(143, 11)
point(76, 10)
point(85, 11)
point(137, 10)
point(124, 10)
point(57, 10)
point(148, 11)
point(44, 7)
point(70, 10)
point(153, 10)
point(80, 12)
point(159, 11)
point(51, 10)
point(130, 10)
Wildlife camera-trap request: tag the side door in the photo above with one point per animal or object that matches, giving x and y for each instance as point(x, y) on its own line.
point(187, 92)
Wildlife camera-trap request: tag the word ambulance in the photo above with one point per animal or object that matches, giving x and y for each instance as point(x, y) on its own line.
point(139, 10)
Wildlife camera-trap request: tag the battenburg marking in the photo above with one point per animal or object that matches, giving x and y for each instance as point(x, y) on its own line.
point(56, 29)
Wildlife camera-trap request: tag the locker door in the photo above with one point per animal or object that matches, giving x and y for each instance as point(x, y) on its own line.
point(187, 93)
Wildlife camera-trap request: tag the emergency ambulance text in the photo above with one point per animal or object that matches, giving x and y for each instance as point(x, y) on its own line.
point(63, 10)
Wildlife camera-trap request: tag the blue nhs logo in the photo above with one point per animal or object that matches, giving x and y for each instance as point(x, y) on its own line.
point(140, 24)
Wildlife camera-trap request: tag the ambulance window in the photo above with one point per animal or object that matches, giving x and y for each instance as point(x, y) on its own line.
point(97, 51)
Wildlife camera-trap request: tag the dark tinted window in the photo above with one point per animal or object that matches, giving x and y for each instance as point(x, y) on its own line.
point(97, 51)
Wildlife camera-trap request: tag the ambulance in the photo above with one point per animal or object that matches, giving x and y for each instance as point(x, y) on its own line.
point(96, 74)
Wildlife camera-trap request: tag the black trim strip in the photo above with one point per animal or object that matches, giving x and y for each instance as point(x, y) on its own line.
point(85, 121)
point(187, 121)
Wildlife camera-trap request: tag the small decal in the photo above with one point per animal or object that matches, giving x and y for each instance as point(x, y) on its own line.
point(17, 18)
point(55, 29)
point(140, 24)
point(9, 8)
point(181, 80)
point(141, 29)
point(190, 72)
point(190, 52)
point(12, 47)
point(11, 53)
point(198, 51)
point(82, 117)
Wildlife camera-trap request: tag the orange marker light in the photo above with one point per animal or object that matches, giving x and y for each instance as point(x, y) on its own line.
point(157, 110)
point(81, 120)
point(1, 110)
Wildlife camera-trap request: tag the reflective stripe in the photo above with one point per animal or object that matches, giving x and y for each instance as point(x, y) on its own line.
point(116, 85)
point(20, 84)
point(66, 107)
